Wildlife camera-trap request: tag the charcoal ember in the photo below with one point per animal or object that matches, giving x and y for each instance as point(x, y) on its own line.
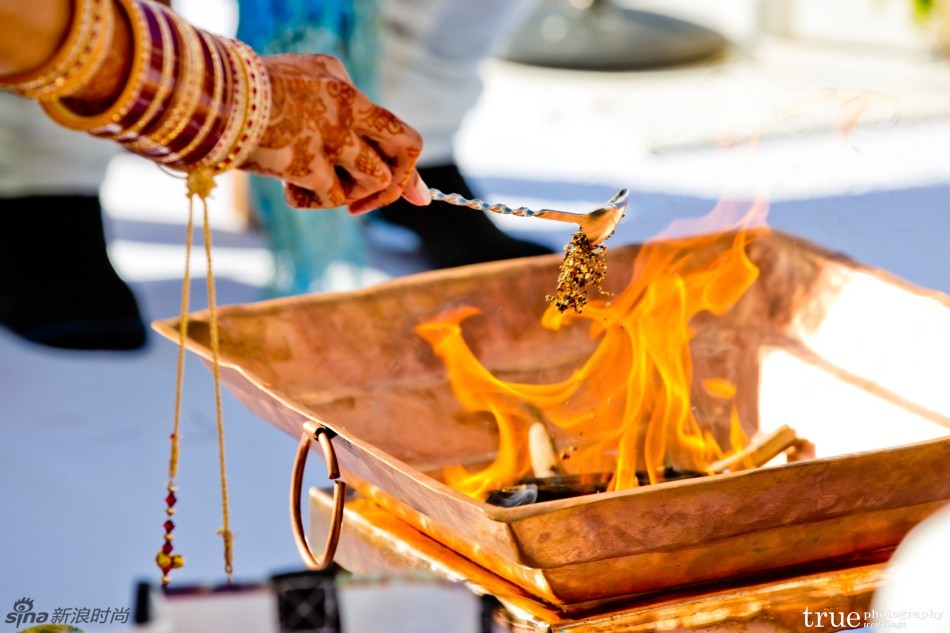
point(671, 474)
point(530, 490)
point(567, 486)
point(513, 496)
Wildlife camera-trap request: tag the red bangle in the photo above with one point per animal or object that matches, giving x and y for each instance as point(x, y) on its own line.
point(154, 139)
point(210, 109)
point(156, 95)
point(221, 114)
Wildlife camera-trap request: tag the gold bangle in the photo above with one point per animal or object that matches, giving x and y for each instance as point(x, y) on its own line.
point(258, 108)
point(146, 83)
point(155, 96)
point(80, 36)
point(109, 122)
point(96, 56)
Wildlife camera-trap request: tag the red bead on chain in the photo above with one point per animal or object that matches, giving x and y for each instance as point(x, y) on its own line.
point(165, 559)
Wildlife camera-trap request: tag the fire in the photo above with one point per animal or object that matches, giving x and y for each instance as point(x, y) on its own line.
point(628, 407)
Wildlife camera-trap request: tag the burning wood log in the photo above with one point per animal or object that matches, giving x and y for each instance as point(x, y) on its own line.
point(544, 459)
point(800, 450)
point(760, 451)
point(549, 481)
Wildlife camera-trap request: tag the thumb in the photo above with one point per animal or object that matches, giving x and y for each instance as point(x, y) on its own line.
point(416, 191)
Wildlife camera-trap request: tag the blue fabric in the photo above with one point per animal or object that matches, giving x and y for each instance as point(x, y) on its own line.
point(310, 245)
point(343, 28)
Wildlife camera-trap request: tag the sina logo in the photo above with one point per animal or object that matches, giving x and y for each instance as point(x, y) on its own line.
point(23, 613)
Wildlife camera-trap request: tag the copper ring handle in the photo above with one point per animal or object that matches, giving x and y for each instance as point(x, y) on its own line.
point(313, 431)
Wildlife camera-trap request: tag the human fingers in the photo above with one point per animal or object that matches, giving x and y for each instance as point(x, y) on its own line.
point(331, 142)
point(335, 67)
point(335, 179)
point(415, 191)
point(301, 198)
point(397, 144)
point(312, 169)
point(362, 171)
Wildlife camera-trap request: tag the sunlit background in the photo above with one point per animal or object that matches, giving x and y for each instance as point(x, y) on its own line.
point(839, 112)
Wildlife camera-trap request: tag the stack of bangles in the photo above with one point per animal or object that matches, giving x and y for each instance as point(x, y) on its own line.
point(192, 100)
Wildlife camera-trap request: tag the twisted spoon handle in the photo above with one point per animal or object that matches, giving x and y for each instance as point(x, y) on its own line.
point(481, 205)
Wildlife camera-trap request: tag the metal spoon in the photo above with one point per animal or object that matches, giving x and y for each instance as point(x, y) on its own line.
point(597, 225)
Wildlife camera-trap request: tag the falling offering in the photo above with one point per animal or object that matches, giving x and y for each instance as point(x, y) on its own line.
point(584, 268)
point(627, 410)
point(585, 261)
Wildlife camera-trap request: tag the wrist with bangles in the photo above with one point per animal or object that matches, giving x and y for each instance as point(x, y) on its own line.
point(191, 101)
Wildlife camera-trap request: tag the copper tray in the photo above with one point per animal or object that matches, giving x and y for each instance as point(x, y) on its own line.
point(375, 542)
point(851, 357)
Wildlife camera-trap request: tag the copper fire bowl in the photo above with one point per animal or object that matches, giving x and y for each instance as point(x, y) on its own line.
point(852, 358)
point(374, 542)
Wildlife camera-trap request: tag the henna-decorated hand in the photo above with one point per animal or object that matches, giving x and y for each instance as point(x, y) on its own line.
point(330, 144)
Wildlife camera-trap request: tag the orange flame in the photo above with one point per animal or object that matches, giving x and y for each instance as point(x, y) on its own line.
point(630, 401)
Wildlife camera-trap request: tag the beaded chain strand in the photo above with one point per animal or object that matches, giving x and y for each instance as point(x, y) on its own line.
point(200, 184)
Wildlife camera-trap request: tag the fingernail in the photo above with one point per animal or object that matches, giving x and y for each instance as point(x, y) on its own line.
point(422, 191)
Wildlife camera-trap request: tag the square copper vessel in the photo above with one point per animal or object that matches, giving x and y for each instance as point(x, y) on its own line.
point(852, 358)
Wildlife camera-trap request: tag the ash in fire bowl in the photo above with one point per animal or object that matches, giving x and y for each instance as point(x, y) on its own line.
point(540, 489)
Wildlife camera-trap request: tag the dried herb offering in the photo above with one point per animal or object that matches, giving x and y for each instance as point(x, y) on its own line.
point(583, 269)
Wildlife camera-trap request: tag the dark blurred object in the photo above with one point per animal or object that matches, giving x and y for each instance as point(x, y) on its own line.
point(142, 603)
point(600, 35)
point(307, 601)
point(57, 285)
point(455, 236)
point(490, 607)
